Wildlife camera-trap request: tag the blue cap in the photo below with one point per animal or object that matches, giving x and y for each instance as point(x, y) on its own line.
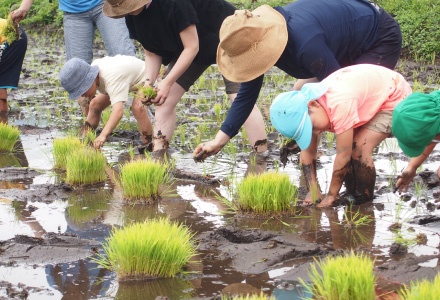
point(289, 113)
point(77, 76)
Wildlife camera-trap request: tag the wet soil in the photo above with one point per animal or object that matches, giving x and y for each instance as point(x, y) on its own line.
point(49, 231)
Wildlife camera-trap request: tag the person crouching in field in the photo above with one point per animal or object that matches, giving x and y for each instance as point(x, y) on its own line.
point(416, 125)
point(114, 77)
point(356, 103)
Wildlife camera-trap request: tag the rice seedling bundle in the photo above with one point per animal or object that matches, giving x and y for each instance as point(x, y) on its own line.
point(85, 166)
point(141, 179)
point(8, 137)
point(265, 193)
point(344, 277)
point(424, 290)
point(11, 31)
point(152, 249)
point(63, 148)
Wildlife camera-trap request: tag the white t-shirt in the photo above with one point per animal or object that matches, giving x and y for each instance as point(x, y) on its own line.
point(118, 75)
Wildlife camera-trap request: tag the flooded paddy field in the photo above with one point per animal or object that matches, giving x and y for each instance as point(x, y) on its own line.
point(49, 230)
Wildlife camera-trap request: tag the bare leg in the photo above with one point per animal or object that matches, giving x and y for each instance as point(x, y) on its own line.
point(144, 122)
point(3, 100)
point(362, 162)
point(165, 118)
point(255, 129)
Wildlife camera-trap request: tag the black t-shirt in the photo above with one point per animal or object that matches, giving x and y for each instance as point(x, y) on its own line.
point(158, 27)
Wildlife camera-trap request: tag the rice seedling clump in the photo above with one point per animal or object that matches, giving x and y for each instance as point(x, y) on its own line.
point(63, 148)
point(11, 31)
point(8, 137)
point(344, 277)
point(266, 193)
point(261, 296)
point(141, 179)
point(152, 249)
point(425, 290)
point(85, 166)
point(149, 93)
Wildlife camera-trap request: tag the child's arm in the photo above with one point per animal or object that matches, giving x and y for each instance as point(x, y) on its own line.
point(115, 117)
point(407, 176)
point(308, 168)
point(344, 148)
point(20, 13)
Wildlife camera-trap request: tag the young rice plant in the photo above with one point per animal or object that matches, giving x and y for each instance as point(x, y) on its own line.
point(85, 166)
point(152, 249)
point(141, 179)
point(8, 137)
point(261, 296)
point(345, 277)
point(266, 193)
point(424, 290)
point(63, 148)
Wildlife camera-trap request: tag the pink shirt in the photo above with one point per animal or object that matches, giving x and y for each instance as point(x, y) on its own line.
point(357, 93)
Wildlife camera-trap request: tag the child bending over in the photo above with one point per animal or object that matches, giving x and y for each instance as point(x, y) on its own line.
point(114, 77)
point(356, 103)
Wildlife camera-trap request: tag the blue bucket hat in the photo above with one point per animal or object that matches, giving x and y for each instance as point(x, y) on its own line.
point(77, 76)
point(289, 113)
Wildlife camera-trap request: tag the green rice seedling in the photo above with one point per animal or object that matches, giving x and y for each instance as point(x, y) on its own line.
point(422, 290)
point(354, 219)
point(261, 296)
point(141, 179)
point(90, 137)
point(217, 109)
point(62, 149)
point(152, 249)
point(8, 137)
point(266, 193)
point(85, 166)
point(10, 31)
point(344, 277)
point(148, 91)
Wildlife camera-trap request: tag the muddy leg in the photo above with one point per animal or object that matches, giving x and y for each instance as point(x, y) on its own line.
point(255, 129)
point(3, 100)
point(84, 105)
point(365, 179)
point(144, 122)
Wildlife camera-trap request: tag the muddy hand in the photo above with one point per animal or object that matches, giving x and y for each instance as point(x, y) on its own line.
point(403, 181)
point(18, 15)
point(199, 157)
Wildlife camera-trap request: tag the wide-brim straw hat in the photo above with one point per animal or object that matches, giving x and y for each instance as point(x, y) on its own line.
point(120, 8)
point(251, 43)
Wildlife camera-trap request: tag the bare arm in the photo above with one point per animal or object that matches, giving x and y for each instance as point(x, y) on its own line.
point(344, 149)
point(115, 117)
point(190, 41)
point(20, 13)
point(410, 171)
point(152, 66)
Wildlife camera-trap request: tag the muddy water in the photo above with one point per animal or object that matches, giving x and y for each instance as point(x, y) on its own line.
point(48, 231)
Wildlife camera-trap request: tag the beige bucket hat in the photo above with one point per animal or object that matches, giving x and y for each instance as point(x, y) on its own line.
point(251, 43)
point(120, 8)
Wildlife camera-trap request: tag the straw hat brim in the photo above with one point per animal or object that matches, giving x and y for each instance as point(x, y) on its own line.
point(262, 56)
point(123, 9)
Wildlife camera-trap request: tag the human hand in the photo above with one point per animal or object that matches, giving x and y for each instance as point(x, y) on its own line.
point(18, 15)
point(404, 180)
point(162, 90)
point(99, 141)
point(205, 150)
point(328, 201)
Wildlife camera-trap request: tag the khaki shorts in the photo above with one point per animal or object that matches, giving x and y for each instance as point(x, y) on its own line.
point(381, 122)
point(193, 73)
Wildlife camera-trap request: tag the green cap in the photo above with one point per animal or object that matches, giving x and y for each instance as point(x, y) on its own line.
point(416, 122)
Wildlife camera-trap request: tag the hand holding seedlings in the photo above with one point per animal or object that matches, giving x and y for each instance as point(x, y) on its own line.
point(207, 149)
point(146, 94)
point(404, 180)
point(99, 141)
point(163, 90)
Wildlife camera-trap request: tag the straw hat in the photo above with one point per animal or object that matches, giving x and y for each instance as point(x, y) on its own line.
point(251, 43)
point(121, 8)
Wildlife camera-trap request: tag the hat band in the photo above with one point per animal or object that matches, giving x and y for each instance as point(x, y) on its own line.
point(300, 129)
